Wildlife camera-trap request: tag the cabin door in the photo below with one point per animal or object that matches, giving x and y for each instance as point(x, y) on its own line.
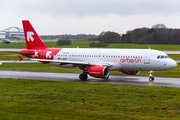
point(147, 57)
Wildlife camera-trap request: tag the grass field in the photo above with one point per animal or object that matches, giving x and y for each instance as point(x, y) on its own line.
point(31, 99)
point(27, 99)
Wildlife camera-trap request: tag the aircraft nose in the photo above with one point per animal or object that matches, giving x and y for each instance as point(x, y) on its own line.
point(173, 64)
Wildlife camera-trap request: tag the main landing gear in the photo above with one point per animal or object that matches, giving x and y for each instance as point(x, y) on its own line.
point(83, 76)
point(151, 78)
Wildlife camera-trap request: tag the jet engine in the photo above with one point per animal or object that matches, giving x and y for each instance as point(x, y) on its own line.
point(99, 71)
point(131, 72)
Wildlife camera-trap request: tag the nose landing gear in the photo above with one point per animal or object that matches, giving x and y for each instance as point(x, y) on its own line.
point(151, 78)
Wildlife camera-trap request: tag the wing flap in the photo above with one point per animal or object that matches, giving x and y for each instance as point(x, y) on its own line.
point(72, 62)
point(61, 61)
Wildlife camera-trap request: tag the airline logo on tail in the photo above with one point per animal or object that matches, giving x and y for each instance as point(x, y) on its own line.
point(30, 36)
point(48, 54)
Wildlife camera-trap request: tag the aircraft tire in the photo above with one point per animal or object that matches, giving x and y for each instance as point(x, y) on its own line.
point(83, 76)
point(151, 79)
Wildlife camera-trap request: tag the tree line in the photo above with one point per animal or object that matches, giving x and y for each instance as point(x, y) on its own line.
point(158, 34)
point(69, 36)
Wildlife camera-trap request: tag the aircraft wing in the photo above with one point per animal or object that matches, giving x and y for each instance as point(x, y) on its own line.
point(72, 62)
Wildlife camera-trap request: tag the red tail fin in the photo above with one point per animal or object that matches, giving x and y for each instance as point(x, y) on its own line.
point(31, 37)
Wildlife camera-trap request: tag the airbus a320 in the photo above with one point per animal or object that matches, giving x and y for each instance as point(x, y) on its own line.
point(95, 62)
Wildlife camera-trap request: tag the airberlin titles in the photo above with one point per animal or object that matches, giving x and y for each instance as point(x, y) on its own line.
point(127, 60)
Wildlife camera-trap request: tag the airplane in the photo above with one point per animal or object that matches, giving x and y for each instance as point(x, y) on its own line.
point(95, 62)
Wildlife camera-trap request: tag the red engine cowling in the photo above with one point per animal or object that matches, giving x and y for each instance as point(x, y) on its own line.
point(99, 71)
point(131, 72)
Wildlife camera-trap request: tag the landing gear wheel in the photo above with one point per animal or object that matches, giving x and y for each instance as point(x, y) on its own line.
point(83, 76)
point(151, 79)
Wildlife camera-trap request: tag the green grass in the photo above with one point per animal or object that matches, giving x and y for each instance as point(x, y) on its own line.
point(174, 56)
point(19, 45)
point(85, 44)
point(26, 99)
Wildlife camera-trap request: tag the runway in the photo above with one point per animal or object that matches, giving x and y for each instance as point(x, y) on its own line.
point(113, 79)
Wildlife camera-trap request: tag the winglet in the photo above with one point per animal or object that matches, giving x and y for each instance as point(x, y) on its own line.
point(20, 58)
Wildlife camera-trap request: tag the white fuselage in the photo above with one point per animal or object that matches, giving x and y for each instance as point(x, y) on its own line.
point(118, 59)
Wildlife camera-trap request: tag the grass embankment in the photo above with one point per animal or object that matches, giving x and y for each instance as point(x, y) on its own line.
point(26, 99)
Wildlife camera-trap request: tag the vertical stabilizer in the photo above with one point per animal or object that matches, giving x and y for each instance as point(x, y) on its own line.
point(31, 37)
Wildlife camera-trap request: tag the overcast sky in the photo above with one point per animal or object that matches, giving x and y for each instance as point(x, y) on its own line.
point(89, 16)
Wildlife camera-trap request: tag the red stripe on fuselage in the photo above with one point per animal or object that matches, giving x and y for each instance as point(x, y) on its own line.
point(47, 53)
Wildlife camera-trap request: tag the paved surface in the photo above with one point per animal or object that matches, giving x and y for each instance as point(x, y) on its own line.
point(17, 61)
point(172, 52)
point(178, 61)
point(113, 79)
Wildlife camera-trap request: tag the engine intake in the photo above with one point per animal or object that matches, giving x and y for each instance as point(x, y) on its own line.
point(131, 72)
point(99, 71)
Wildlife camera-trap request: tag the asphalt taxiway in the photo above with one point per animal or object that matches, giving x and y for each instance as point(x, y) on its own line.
point(113, 79)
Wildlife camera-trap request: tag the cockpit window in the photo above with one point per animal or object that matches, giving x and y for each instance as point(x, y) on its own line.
point(162, 57)
point(166, 56)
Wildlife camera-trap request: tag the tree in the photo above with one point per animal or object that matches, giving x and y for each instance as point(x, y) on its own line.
point(127, 37)
point(109, 37)
point(137, 34)
point(159, 26)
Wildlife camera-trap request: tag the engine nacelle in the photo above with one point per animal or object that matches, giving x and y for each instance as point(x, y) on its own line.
point(131, 72)
point(99, 71)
